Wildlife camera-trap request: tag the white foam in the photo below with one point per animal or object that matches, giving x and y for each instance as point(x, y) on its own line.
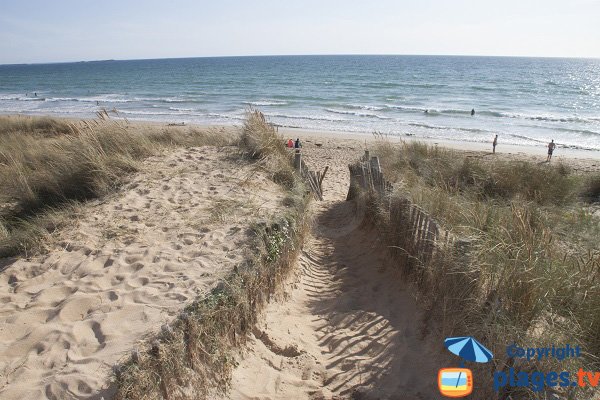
point(259, 103)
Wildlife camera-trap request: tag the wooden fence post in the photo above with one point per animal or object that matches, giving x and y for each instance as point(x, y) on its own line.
point(298, 161)
point(321, 177)
point(375, 164)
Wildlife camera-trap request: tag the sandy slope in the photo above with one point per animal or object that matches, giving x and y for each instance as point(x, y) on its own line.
point(127, 266)
point(349, 327)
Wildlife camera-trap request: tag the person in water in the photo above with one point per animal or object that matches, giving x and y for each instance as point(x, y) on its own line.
point(551, 147)
point(472, 112)
point(494, 143)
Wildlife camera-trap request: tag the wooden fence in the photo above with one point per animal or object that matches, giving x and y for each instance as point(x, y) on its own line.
point(367, 175)
point(314, 180)
point(413, 235)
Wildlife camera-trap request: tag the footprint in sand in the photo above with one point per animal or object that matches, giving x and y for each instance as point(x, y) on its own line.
point(132, 259)
point(135, 267)
point(113, 296)
point(77, 308)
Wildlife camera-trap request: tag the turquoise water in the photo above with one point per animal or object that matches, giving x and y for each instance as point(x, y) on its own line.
point(525, 101)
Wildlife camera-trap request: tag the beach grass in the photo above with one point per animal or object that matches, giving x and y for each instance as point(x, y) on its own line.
point(47, 164)
point(529, 270)
point(43, 125)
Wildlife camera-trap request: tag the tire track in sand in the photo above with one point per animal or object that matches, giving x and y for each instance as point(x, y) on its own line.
point(351, 320)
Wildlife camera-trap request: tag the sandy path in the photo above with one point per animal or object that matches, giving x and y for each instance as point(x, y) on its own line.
point(128, 265)
point(349, 327)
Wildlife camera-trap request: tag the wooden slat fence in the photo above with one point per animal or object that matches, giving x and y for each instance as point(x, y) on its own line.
point(414, 235)
point(313, 179)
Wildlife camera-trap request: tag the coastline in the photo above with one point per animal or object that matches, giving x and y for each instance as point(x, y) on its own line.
point(511, 149)
point(585, 161)
point(580, 159)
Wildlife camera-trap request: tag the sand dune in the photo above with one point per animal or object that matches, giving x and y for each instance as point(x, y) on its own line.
point(128, 264)
point(349, 327)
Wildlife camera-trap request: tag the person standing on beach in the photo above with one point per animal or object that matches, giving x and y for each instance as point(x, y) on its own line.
point(494, 143)
point(551, 147)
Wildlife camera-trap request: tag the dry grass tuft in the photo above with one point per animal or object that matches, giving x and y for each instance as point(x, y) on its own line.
point(260, 142)
point(42, 126)
point(259, 138)
point(47, 163)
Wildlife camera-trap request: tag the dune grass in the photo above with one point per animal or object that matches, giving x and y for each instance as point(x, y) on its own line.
point(43, 126)
point(193, 357)
point(47, 164)
point(259, 141)
point(529, 271)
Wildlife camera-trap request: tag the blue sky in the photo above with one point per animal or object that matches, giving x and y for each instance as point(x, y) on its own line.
point(69, 30)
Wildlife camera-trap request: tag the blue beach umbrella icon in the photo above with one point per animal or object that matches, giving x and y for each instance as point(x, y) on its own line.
point(468, 349)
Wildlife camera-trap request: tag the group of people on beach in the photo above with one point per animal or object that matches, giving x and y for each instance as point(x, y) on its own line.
point(551, 146)
point(291, 144)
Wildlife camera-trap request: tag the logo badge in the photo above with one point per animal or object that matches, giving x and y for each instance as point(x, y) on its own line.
point(455, 382)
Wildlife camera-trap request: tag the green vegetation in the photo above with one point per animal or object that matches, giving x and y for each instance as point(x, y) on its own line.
point(48, 164)
point(527, 268)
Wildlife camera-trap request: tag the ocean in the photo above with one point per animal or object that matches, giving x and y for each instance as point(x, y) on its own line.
point(525, 101)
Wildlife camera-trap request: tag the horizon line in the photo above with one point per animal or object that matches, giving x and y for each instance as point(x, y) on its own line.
point(296, 55)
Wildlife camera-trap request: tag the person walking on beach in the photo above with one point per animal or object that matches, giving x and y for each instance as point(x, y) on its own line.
point(494, 143)
point(551, 147)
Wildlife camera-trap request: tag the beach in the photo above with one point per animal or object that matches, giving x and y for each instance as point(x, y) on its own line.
point(132, 260)
point(579, 159)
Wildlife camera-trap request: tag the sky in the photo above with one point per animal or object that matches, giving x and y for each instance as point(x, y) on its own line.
point(34, 31)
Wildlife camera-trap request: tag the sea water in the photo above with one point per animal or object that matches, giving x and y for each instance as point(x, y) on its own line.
point(526, 101)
